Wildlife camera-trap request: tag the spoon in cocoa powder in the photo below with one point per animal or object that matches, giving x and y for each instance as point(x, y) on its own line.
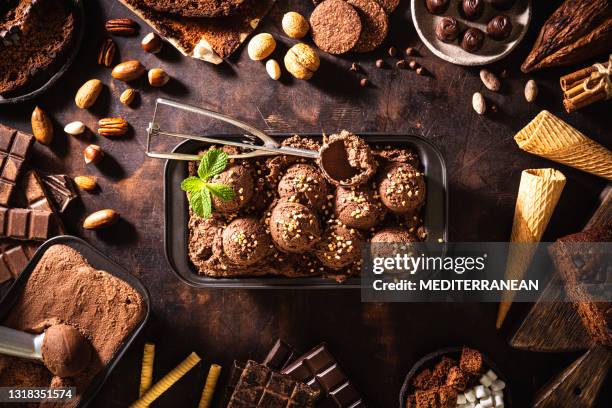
point(61, 347)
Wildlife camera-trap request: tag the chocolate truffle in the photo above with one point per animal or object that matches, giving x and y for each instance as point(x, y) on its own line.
point(356, 207)
point(472, 40)
point(501, 4)
point(240, 179)
point(245, 241)
point(447, 29)
point(65, 351)
point(347, 160)
point(388, 242)
point(339, 246)
point(472, 9)
point(294, 227)
point(499, 28)
point(305, 184)
point(437, 6)
point(402, 188)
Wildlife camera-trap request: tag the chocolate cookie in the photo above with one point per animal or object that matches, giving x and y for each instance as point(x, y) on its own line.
point(195, 8)
point(374, 23)
point(336, 26)
point(388, 5)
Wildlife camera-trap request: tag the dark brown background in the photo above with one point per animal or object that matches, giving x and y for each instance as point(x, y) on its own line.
point(376, 343)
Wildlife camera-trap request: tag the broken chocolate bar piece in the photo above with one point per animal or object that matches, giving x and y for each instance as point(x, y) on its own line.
point(261, 387)
point(280, 355)
point(235, 373)
point(36, 197)
point(26, 224)
point(61, 190)
point(14, 256)
point(319, 369)
point(14, 149)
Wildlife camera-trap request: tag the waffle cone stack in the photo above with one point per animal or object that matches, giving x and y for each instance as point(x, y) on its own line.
point(550, 137)
point(538, 194)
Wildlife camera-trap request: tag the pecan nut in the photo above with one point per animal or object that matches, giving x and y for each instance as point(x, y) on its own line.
point(112, 127)
point(121, 26)
point(107, 53)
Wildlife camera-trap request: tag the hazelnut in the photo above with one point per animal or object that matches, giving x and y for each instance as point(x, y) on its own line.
point(273, 69)
point(261, 46)
point(295, 25)
point(127, 96)
point(152, 43)
point(158, 77)
point(302, 61)
point(86, 183)
point(93, 154)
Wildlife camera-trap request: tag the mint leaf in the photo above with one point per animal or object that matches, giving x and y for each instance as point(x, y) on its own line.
point(191, 184)
point(225, 193)
point(212, 163)
point(201, 203)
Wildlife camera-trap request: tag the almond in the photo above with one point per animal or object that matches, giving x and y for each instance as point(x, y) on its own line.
point(127, 96)
point(128, 71)
point(100, 219)
point(531, 91)
point(75, 128)
point(87, 94)
point(42, 128)
point(87, 183)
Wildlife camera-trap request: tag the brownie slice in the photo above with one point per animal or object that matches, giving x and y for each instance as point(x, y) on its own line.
point(457, 379)
point(35, 43)
point(440, 371)
point(196, 8)
point(470, 361)
point(581, 268)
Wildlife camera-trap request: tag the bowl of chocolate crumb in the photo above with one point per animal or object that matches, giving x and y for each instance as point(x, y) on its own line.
point(39, 41)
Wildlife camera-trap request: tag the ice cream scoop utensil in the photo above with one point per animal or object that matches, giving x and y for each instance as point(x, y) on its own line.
point(270, 147)
point(21, 344)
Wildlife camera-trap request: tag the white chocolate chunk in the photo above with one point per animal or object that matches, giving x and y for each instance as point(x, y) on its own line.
point(491, 375)
point(461, 400)
point(498, 392)
point(499, 401)
point(486, 381)
point(486, 402)
point(498, 385)
point(470, 395)
point(480, 391)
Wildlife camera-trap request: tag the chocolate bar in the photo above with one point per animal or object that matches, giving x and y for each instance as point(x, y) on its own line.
point(14, 256)
point(61, 190)
point(14, 149)
point(280, 355)
point(319, 369)
point(261, 387)
point(26, 224)
point(36, 197)
point(235, 373)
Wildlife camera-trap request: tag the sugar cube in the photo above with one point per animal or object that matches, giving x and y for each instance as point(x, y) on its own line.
point(498, 385)
point(470, 395)
point(461, 400)
point(486, 381)
point(491, 374)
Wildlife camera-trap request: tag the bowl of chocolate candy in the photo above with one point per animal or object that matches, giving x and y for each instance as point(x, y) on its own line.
point(471, 32)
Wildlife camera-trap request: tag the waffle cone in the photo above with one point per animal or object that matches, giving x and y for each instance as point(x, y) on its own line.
point(550, 137)
point(538, 194)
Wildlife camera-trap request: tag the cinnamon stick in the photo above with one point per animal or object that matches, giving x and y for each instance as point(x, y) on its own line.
point(569, 81)
point(582, 100)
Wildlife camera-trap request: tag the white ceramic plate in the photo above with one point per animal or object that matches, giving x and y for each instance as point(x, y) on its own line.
point(425, 23)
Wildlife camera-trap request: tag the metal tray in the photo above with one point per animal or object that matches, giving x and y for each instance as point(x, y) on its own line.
point(435, 215)
point(47, 79)
point(430, 360)
point(99, 261)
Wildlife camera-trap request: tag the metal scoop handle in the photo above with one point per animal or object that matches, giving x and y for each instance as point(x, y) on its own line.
point(269, 147)
point(20, 344)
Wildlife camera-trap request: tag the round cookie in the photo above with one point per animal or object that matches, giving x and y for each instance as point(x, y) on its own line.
point(374, 24)
point(388, 5)
point(335, 26)
point(195, 8)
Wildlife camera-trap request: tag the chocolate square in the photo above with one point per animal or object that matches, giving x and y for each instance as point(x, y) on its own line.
point(16, 259)
point(11, 168)
point(6, 138)
point(271, 400)
point(331, 378)
point(2, 160)
point(298, 371)
point(6, 190)
point(303, 394)
point(40, 223)
point(319, 360)
point(5, 272)
point(21, 145)
point(254, 374)
point(17, 223)
point(3, 219)
point(345, 395)
point(280, 384)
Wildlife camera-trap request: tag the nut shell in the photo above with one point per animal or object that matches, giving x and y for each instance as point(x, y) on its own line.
point(152, 43)
point(128, 70)
point(42, 128)
point(93, 154)
point(261, 46)
point(158, 77)
point(88, 93)
point(302, 61)
point(100, 219)
point(295, 25)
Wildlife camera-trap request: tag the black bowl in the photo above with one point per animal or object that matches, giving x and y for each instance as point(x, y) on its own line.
point(431, 359)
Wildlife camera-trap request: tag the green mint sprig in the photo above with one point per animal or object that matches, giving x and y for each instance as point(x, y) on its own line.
point(199, 188)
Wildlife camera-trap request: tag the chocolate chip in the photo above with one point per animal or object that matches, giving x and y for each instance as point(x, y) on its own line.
point(364, 82)
point(380, 63)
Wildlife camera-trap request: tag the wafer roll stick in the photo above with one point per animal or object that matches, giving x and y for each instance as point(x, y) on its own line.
point(209, 386)
point(146, 373)
point(538, 194)
point(167, 381)
point(550, 137)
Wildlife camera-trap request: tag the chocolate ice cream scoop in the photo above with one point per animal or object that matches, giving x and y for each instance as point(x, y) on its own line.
point(62, 348)
point(340, 246)
point(294, 227)
point(305, 184)
point(347, 160)
point(402, 188)
point(245, 241)
point(357, 207)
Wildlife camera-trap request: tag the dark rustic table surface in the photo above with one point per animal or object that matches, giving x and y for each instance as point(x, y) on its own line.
point(376, 343)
